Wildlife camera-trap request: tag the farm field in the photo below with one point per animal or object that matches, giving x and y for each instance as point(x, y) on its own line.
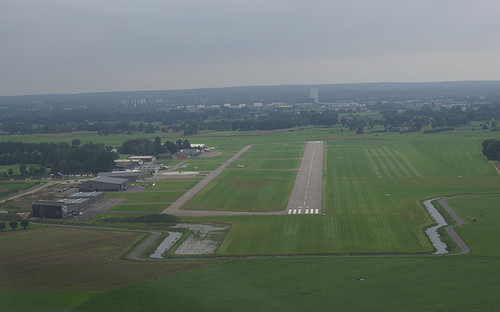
point(90, 257)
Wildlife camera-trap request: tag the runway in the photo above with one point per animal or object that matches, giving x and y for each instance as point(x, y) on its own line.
point(307, 189)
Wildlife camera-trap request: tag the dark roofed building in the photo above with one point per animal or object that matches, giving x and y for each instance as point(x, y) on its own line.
point(102, 183)
point(49, 209)
point(131, 176)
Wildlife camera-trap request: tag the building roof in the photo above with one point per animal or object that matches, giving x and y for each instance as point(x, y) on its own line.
point(48, 203)
point(119, 173)
point(105, 179)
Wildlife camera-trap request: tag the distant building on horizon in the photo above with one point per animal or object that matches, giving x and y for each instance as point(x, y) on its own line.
point(313, 94)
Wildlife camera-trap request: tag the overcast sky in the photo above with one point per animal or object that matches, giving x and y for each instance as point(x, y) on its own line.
point(73, 46)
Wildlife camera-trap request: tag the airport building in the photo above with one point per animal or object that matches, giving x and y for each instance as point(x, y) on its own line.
point(93, 197)
point(49, 209)
point(131, 175)
point(102, 183)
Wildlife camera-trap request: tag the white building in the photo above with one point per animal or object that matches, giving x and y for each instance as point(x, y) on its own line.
point(313, 94)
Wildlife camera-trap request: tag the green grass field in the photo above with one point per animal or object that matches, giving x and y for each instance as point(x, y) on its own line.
point(265, 164)
point(330, 284)
point(146, 197)
point(139, 208)
point(482, 229)
point(373, 188)
point(171, 185)
point(245, 191)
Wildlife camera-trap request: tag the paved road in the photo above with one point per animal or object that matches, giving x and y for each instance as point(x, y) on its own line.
point(174, 208)
point(450, 229)
point(306, 193)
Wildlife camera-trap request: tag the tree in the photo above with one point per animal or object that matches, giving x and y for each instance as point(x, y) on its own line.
point(25, 223)
point(171, 147)
point(179, 144)
point(76, 142)
point(186, 144)
point(360, 130)
point(13, 225)
point(2, 226)
point(157, 145)
point(22, 169)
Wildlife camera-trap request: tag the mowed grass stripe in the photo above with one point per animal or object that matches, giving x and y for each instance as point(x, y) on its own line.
point(397, 161)
point(390, 163)
point(408, 164)
point(373, 164)
point(381, 162)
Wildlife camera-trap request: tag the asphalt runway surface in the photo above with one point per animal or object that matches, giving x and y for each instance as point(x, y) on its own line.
point(306, 193)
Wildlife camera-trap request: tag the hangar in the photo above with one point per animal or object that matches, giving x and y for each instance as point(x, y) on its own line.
point(102, 183)
point(132, 176)
point(49, 209)
point(93, 197)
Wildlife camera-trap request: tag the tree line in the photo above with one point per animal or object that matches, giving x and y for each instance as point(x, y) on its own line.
point(148, 147)
point(59, 157)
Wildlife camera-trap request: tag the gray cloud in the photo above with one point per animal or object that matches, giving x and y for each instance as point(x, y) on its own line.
point(79, 46)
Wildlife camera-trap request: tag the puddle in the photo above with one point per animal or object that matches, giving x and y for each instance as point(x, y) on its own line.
point(204, 239)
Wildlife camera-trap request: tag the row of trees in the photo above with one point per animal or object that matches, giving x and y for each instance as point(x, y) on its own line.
point(59, 157)
point(445, 117)
point(141, 120)
point(147, 147)
point(13, 224)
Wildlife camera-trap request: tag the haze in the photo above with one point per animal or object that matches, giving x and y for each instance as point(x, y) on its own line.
point(89, 46)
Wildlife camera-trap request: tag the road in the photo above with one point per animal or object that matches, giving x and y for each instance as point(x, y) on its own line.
point(174, 208)
point(464, 249)
point(307, 189)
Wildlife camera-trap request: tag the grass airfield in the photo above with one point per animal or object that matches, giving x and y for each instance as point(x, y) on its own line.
point(373, 188)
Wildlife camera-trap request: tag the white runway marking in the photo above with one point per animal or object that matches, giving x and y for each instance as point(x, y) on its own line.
point(317, 211)
point(307, 211)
